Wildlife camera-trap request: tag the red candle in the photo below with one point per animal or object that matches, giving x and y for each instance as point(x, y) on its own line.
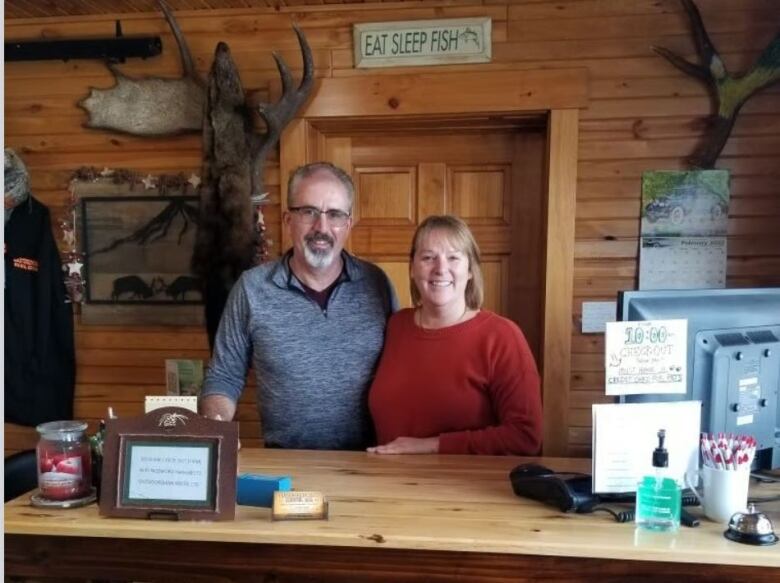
point(64, 460)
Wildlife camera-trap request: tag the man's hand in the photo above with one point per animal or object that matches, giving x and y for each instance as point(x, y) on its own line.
point(408, 445)
point(217, 407)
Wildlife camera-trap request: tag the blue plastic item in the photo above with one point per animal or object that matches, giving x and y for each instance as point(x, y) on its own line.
point(258, 490)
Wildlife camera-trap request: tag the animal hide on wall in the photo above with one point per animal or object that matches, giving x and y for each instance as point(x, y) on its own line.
point(229, 238)
point(228, 241)
point(151, 106)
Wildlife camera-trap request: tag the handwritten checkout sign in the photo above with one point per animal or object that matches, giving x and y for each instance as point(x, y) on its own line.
point(422, 42)
point(646, 357)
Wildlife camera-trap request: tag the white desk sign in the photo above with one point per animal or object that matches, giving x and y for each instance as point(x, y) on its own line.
point(646, 357)
point(625, 435)
point(169, 472)
point(422, 42)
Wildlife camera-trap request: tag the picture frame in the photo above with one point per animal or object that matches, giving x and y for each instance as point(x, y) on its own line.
point(129, 242)
point(169, 464)
point(144, 481)
point(134, 254)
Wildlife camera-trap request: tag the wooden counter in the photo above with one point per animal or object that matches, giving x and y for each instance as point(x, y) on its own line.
point(410, 518)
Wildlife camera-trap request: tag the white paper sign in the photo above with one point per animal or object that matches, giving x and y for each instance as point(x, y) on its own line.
point(646, 357)
point(595, 316)
point(422, 42)
point(168, 473)
point(625, 435)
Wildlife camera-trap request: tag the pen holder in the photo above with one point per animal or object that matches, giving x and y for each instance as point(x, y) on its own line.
point(725, 492)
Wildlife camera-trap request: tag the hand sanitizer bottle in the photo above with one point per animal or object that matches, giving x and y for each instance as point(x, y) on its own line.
point(658, 496)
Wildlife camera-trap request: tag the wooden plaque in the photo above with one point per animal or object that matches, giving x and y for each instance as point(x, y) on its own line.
point(170, 464)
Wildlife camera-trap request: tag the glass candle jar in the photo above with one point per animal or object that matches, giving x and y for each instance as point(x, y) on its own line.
point(64, 460)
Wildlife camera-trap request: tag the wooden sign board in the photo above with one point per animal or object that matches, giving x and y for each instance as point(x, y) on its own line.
point(422, 42)
point(170, 464)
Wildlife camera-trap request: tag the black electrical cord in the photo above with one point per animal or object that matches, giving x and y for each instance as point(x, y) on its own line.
point(629, 515)
point(619, 515)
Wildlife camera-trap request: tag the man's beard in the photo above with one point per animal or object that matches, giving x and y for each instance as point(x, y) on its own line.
point(315, 257)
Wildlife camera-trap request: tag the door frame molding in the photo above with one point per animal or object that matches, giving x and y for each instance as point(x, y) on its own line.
point(557, 93)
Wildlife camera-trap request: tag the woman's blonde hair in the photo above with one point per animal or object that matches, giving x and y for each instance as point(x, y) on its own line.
point(461, 238)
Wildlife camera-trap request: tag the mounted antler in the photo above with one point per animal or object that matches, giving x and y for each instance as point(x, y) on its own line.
point(729, 93)
point(228, 241)
point(279, 114)
point(152, 106)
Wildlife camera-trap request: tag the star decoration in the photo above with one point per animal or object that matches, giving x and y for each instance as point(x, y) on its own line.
point(194, 179)
point(74, 267)
point(148, 182)
point(106, 172)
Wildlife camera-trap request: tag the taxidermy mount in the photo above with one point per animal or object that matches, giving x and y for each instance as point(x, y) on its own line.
point(728, 92)
point(229, 239)
point(152, 106)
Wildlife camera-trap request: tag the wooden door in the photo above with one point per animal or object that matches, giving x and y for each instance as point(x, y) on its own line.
point(492, 178)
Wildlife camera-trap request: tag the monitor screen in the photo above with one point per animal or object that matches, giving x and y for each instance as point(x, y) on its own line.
point(733, 357)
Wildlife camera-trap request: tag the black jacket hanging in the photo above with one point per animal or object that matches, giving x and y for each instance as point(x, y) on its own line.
point(40, 363)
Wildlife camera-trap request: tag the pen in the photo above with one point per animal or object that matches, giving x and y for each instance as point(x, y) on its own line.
point(727, 451)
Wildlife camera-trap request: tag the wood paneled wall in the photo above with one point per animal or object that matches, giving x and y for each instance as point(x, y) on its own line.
point(643, 115)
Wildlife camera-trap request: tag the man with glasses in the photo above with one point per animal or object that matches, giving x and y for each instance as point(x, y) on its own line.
point(312, 324)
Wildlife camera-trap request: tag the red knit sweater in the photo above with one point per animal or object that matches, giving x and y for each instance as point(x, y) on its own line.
point(474, 384)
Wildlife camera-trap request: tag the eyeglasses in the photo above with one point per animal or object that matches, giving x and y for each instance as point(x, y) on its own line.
point(310, 215)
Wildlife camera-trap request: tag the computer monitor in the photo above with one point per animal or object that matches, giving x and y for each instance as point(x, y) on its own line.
point(733, 358)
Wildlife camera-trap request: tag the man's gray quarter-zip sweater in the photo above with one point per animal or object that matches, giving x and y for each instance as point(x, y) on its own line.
point(313, 366)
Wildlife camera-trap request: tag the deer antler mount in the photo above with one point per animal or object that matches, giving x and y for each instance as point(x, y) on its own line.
point(229, 239)
point(728, 91)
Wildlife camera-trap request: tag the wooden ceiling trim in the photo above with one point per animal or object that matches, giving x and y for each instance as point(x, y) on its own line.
point(20, 9)
point(212, 20)
point(30, 9)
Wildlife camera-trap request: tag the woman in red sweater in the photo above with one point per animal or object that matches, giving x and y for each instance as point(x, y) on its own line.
point(453, 378)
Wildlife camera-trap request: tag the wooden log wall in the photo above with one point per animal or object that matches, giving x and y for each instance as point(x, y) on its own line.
point(643, 115)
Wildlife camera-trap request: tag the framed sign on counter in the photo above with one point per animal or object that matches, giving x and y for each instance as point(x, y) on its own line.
point(170, 464)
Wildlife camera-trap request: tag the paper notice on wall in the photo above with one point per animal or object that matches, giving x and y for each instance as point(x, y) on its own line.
point(646, 357)
point(625, 435)
point(595, 316)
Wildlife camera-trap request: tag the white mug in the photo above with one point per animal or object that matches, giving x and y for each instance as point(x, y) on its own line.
point(725, 491)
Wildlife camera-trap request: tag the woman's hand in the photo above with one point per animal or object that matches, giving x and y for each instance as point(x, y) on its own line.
point(408, 445)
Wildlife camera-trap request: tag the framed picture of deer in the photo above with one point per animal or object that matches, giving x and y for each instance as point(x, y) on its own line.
point(138, 249)
point(135, 237)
